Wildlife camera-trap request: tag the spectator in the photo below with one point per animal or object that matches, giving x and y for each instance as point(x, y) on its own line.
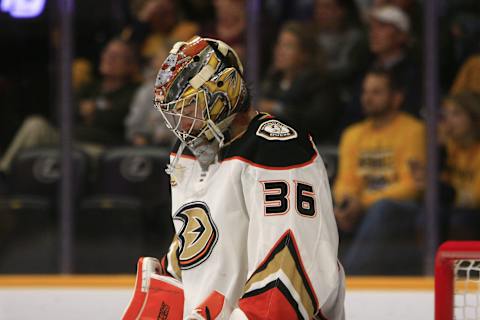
point(364, 7)
point(230, 25)
point(343, 43)
point(101, 108)
point(412, 8)
point(461, 133)
point(82, 73)
point(157, 22)
point(463, 22)
point(468, 78)
point(95, 23)
point(285, 10)
point(201, 11)
point(459, 183)
point(458, 37)
point(295, 89)
point(388, 40)
point(144, 124)
point(374, 189)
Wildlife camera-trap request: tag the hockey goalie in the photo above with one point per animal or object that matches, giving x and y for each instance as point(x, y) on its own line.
point(255, 233)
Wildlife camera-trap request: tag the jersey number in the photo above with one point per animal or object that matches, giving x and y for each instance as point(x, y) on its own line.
point(276, 198)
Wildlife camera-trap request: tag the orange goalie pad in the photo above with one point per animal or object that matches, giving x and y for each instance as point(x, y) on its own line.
point(155, 296)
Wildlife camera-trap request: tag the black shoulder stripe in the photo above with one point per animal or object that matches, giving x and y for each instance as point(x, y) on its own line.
point(291, 150)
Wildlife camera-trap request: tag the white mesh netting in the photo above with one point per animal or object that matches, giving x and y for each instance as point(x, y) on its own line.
point(467, 290)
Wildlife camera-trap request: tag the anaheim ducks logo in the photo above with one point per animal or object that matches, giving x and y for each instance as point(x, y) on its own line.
point(276, 130)
point(198, 235)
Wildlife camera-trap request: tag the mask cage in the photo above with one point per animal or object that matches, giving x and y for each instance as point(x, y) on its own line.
point(192, 108)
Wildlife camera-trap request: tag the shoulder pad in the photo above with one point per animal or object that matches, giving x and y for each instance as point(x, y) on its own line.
point(273, 144)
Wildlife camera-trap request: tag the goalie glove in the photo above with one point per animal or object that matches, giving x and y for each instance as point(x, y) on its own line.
point(155, 296)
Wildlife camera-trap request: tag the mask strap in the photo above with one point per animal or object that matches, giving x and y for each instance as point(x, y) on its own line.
point(171, 167)
point(216, 130)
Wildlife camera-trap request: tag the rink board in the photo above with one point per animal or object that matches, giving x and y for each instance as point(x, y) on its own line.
point(104, 297)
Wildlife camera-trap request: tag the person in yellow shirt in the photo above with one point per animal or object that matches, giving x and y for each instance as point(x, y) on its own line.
point(468, 77)
point(460, 130)
point(459, 183)
point(374, 190)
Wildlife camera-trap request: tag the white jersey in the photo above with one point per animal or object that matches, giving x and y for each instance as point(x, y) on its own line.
point(258, 227)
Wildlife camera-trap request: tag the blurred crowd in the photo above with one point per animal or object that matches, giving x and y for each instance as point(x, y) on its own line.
point(349, 71)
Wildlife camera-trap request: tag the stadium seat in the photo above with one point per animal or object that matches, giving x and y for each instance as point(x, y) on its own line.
point(30, 206)
point(127, 211)
point(34, 181)
point(135, 171)
point(330, 158)
point(36, 171)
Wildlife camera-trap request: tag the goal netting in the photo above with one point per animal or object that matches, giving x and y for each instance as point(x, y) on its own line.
point(457, 281)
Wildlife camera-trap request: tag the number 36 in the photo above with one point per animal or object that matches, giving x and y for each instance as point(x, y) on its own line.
point(277, 201)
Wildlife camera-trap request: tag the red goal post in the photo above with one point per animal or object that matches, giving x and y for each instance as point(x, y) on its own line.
point(457, 280)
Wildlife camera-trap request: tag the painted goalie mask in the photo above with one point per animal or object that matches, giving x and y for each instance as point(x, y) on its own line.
point(198, 90)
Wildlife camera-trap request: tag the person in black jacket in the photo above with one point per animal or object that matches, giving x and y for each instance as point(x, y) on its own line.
point(100, 108)
point(296, 89)
point(390, 45)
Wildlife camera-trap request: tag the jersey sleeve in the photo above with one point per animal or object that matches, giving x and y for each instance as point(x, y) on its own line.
point(293, 270)
point(169, 262)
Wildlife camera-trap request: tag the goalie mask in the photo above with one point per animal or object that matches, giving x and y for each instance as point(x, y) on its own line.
point(198, 90)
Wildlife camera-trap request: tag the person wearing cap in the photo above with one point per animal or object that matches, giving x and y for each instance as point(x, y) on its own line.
point(389, 39)
point(413, 8)
point(389, 33)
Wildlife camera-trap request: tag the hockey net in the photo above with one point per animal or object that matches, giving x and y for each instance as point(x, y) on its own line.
point(457, 281)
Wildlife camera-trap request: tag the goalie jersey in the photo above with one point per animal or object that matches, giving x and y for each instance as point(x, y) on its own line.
point(258, 228)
